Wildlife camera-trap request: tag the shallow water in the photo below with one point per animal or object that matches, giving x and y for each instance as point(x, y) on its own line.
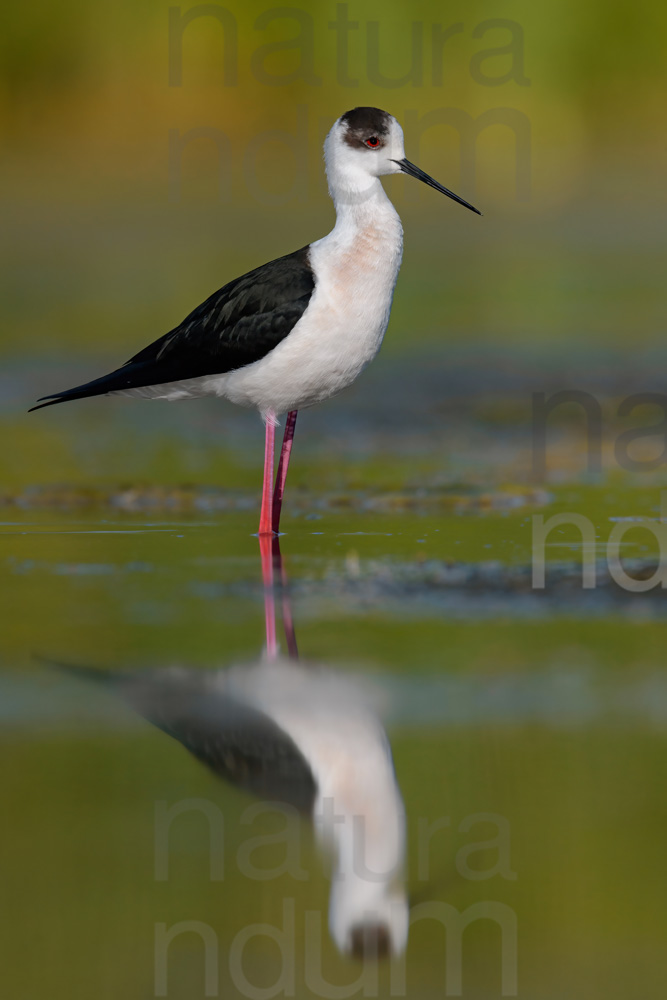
point(527, 724)
point(527, 732)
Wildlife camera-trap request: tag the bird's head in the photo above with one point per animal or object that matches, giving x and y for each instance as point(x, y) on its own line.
point(367, 143)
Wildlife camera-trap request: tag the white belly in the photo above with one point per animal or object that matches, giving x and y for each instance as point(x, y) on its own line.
point(338, 335)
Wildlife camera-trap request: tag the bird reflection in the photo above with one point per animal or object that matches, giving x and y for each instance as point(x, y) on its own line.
point(299, 733)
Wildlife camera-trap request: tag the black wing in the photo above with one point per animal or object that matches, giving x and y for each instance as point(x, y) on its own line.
point(238, 324)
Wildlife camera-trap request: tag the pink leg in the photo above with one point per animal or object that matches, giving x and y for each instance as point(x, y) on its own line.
point(269, 600)
point(267, 486)
point(283, 464)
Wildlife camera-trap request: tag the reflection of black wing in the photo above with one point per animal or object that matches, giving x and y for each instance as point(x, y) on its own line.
point(242, 745)
point(239, 743)
point(238, 324)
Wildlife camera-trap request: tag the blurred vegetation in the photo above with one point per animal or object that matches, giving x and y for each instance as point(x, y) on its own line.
point(98, 260)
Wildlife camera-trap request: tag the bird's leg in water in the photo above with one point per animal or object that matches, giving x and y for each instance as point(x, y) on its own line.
point(267, 486)
point(281, 477)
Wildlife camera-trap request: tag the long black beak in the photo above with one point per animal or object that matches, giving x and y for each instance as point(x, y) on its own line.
point(413, 171)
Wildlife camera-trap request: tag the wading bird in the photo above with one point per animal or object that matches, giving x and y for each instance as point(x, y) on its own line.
point(299, 329)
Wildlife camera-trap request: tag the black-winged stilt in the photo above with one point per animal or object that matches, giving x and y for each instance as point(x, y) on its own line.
point(299, 329)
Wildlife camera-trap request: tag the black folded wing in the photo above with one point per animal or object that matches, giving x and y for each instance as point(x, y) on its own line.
point(239, 324)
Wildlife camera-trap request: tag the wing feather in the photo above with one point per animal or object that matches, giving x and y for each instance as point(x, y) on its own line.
point(237, 325)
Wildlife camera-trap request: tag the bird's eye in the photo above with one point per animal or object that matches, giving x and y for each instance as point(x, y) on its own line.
point(373, 141)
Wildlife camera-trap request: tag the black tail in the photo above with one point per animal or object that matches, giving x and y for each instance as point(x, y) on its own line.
point(130, 376)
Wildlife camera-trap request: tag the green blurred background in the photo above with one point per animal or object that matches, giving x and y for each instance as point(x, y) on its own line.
point(111, 235)
point(127, 526)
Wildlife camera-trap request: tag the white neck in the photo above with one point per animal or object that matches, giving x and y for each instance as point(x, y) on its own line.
point(359, 201)
point(359, 198)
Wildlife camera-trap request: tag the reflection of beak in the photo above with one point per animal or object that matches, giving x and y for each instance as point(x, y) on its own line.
point(413, 171)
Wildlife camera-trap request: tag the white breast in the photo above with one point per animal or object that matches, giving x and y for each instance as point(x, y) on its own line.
point(341, 330)
point(355, 268)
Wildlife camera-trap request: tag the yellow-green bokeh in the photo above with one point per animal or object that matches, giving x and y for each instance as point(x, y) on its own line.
point(99, 259)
